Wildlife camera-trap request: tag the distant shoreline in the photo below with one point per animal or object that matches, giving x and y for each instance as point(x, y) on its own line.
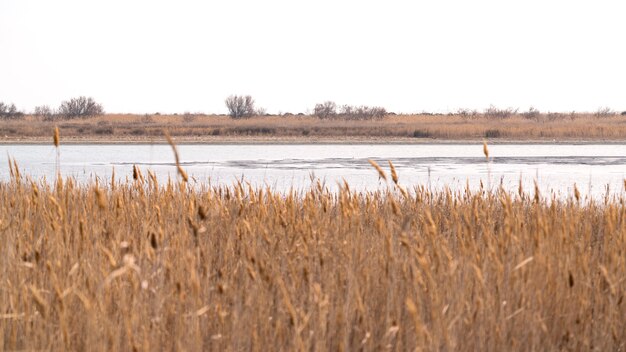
point(392, 129)
point(242, 140)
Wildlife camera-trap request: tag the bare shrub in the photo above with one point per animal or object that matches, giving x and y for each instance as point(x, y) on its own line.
point(329, 109)
point(325, 110)
point(9, 112)
point(189, 117)
point(45, 112)
point(81, 107)
point(532, 113)
point(553, 116)
point(147, 119)
point(466, 112)
point(362, 112)
point(494, 112)
point(261, 112)
point(604, 112)
point(240, 106)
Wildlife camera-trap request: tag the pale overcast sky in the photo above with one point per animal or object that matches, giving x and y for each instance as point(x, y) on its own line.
point(408, 56)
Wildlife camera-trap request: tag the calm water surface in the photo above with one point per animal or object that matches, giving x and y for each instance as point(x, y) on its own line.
point(555, 167)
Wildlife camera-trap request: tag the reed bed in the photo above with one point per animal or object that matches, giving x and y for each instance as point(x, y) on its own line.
point(143, 266)
point(416, 128)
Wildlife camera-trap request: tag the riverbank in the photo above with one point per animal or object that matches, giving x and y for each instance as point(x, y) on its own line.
point(186, 140)
point(402, 129)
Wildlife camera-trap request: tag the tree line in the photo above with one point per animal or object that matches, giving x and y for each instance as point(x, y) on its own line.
point(244, 106)
point(80, 107)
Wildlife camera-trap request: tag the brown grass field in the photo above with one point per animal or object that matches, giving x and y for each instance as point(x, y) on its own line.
point(405, 128)
point(146, 266)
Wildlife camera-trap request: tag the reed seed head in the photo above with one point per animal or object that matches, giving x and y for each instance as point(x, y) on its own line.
point(55, 137)
point(381, 172)
point(485, 150)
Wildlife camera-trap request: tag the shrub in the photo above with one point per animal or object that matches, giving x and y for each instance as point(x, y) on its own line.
point(495, 112)
point(253, 131)
point(553, 116)
point(147, 119)
point(9, 112)
point(362, 112)
point(103, 130)
point(328, 109)
point(421, 134)
point(466, 112)
point(623, 113)
point(188, 117)
point(492, 133)
point(45, 112)
point(532, 113)
point(240, 106)
point(325, 110)
point(604, 112)
point(80, 107)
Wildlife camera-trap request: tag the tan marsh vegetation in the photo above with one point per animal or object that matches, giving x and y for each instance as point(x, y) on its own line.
point(144, 266)
point(405, 128)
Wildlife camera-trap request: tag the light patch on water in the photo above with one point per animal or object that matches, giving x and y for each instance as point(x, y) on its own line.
point(556, 168)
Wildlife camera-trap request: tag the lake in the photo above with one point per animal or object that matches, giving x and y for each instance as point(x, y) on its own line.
point(556, 167)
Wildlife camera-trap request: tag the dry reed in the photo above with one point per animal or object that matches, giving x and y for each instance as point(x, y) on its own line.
point(150, 266)
point(179, 168)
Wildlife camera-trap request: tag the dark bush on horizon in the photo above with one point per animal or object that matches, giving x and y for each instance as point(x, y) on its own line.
point(9, 112)
point(103, 130)
point(81, 107)
point(421, 134)
point(493, 134)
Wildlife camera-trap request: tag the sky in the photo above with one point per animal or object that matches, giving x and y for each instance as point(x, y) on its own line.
point(147, 56)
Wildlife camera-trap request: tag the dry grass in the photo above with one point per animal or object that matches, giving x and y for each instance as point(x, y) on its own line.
point(143, 266)
point(149, 128)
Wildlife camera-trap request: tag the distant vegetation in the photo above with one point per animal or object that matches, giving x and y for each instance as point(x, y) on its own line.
point(244, 107)
point(80, 107)
point(9, 112)
point(527, 125)
point(84, 117)
point(330, 109)
point(240, 106)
